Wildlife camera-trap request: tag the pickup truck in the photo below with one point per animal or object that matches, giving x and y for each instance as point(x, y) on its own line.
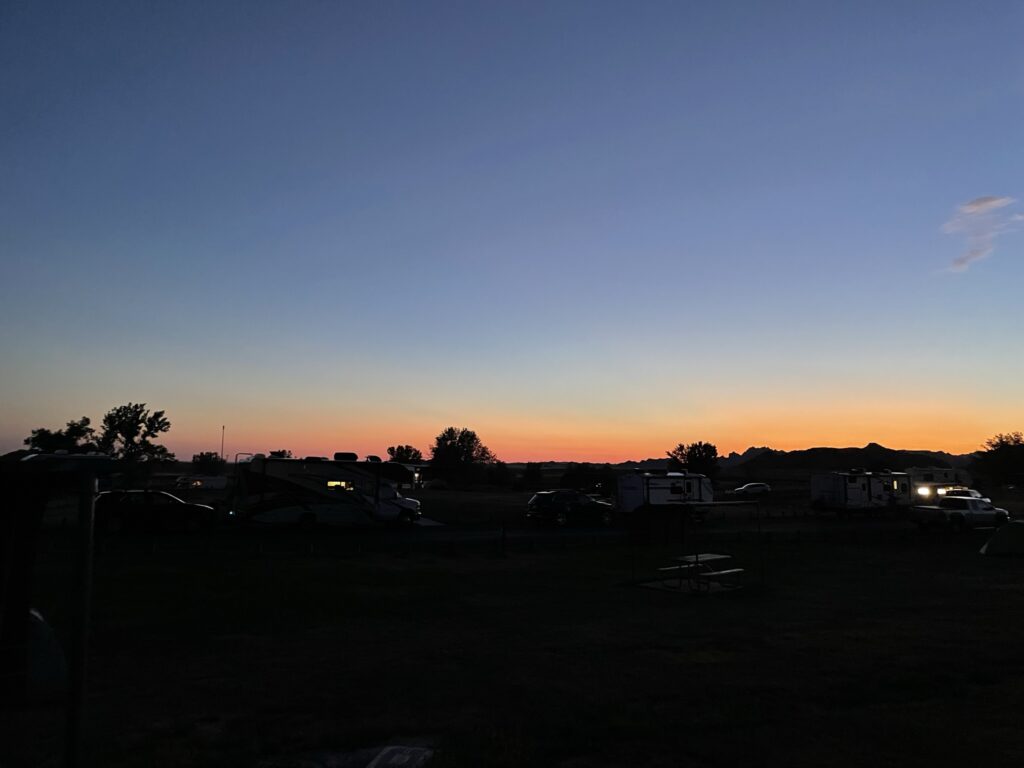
point(959, 513)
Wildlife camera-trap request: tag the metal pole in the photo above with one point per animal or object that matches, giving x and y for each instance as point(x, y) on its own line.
point(79, 653)
point(222, 441)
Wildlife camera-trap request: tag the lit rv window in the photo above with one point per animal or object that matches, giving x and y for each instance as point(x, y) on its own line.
point(341, 484)
point(895, 485)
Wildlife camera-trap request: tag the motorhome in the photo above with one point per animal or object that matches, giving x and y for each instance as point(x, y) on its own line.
point(860, 489)
point(639, 490)
point(339, 492)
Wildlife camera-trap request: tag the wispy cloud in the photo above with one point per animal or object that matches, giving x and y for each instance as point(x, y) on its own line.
point(981, 220)
point(985, 204)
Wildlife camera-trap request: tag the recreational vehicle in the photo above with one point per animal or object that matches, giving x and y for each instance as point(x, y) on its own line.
point(859, 489)
point(638, 490)
point(930, 482)
point(273, 490)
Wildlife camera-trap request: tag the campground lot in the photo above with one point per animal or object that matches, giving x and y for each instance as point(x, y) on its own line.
point(849, 646)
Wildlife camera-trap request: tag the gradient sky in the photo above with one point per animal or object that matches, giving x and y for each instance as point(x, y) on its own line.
point(586, 230)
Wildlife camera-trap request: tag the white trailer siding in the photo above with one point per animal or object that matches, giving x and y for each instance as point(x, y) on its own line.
point(860, 490)
point(939, 476)
point(643, 489)
point(890, 489)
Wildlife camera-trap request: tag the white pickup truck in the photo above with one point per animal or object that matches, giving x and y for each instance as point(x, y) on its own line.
point(959, 513)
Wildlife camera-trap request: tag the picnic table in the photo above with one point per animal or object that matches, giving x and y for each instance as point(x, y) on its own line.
point(702, 569)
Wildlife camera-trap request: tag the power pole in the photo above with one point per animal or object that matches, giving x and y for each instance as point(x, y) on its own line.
point(222, 441)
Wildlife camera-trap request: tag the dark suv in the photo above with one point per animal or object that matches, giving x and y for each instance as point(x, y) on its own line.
point(150, 511)
point(563, 507)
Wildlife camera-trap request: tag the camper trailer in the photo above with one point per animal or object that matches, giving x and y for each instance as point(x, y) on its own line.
point(859, 489)
point(276, 490)
point(639, 490)
point(930, 482)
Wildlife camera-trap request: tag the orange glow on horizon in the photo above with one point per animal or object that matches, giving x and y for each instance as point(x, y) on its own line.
point(922, 425)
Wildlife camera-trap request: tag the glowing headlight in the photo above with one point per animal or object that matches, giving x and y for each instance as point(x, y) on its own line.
point(924, 491)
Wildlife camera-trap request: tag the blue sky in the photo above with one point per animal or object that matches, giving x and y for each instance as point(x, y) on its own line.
point(583, 229)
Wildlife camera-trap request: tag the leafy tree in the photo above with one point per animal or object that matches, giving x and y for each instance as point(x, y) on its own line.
point(699, 457)
point(404, 453)
point(1002, 461)
point(208, 463)
point(76, 437)
point(459, 447)
point(129, 430)
point(459, 455)
point(281, 454)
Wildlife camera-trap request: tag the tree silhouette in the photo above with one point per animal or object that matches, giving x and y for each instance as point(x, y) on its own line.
point(699, 457)
point(459, 455)
point(456, 447)
point(129, 430)
point(208, 463)
point(404, 453)
point(281, 454)
point(76, 437)
point(1002, 461)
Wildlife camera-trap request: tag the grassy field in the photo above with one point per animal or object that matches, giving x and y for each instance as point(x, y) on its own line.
point(890, 652)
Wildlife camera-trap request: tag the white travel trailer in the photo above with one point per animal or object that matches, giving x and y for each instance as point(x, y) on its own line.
point(638, 490)
point(929, 482)
point(274, 490)
point(858, 489)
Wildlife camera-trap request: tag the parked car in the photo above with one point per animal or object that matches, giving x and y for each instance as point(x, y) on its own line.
point(563, 507)
point(150, 511)
point(959, 513)
point(751, 489)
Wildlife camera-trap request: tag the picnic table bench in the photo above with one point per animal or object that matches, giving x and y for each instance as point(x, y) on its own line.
point(700, 573)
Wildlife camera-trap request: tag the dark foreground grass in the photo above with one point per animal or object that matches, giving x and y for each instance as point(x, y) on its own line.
point(844, 655)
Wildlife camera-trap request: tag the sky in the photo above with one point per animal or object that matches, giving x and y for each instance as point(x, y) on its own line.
point(588, 231)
